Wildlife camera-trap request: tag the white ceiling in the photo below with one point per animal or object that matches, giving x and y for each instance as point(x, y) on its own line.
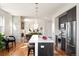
point(28, 9)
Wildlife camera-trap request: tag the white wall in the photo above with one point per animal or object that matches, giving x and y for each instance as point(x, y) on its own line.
point(16, 27)
point(77, 30)
point(28, 24)
point(8, 20)
point(9, 23)
point(48, 28)
point(42, 24)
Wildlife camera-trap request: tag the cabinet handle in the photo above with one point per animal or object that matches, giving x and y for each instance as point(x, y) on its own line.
point(42, 46)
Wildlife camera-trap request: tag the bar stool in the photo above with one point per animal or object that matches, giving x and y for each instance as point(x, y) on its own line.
point(31, 48)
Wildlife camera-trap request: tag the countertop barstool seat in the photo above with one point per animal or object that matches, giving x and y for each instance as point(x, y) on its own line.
point(31, 48)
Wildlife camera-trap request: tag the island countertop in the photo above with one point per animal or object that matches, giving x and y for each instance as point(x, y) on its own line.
point(36, 38)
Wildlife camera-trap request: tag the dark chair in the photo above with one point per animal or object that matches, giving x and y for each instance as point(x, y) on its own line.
point(28, 37)
point(31, 46)
point(12, 39)
point(7, 40)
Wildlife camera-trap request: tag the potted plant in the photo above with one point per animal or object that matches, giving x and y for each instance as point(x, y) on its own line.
point(1, 41)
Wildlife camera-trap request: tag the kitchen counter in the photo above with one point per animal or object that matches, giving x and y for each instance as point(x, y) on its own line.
point(49, 40)
point(33, 39)
point(38, 39)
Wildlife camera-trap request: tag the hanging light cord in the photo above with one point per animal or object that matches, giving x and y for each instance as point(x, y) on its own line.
point(36, 9)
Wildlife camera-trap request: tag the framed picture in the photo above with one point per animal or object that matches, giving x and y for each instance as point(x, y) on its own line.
point(63, 26)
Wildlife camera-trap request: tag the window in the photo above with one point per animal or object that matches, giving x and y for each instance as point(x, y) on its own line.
point(2, 24)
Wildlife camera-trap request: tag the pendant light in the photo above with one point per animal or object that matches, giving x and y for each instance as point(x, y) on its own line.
point(36, 16)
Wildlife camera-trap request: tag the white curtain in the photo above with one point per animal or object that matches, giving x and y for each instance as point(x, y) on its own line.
point(2, 24)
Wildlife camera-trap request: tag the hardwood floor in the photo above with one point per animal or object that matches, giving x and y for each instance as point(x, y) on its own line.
point(21, 49)
point(59, 52)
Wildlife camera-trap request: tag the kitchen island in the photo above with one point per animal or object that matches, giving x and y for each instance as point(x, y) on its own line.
point(41, 45)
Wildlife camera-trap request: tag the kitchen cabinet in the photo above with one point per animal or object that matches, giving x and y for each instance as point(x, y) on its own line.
point(62, 20)
point(68, 16)
point(68, 36)
point(71, 51)
point(71, 14)
point(63, 43)
point(45, 49)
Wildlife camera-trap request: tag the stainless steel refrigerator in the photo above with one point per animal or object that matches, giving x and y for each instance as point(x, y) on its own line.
point(69, 33)
point(71, 38)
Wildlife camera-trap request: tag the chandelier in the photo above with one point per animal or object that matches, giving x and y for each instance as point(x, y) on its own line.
point(36, 16)
point(36, 9)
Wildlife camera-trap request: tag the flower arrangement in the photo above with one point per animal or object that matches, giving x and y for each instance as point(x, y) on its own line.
point(44, 37)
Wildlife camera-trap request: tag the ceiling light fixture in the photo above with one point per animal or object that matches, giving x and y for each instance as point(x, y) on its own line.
point(36, 15)
point(36, 9)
